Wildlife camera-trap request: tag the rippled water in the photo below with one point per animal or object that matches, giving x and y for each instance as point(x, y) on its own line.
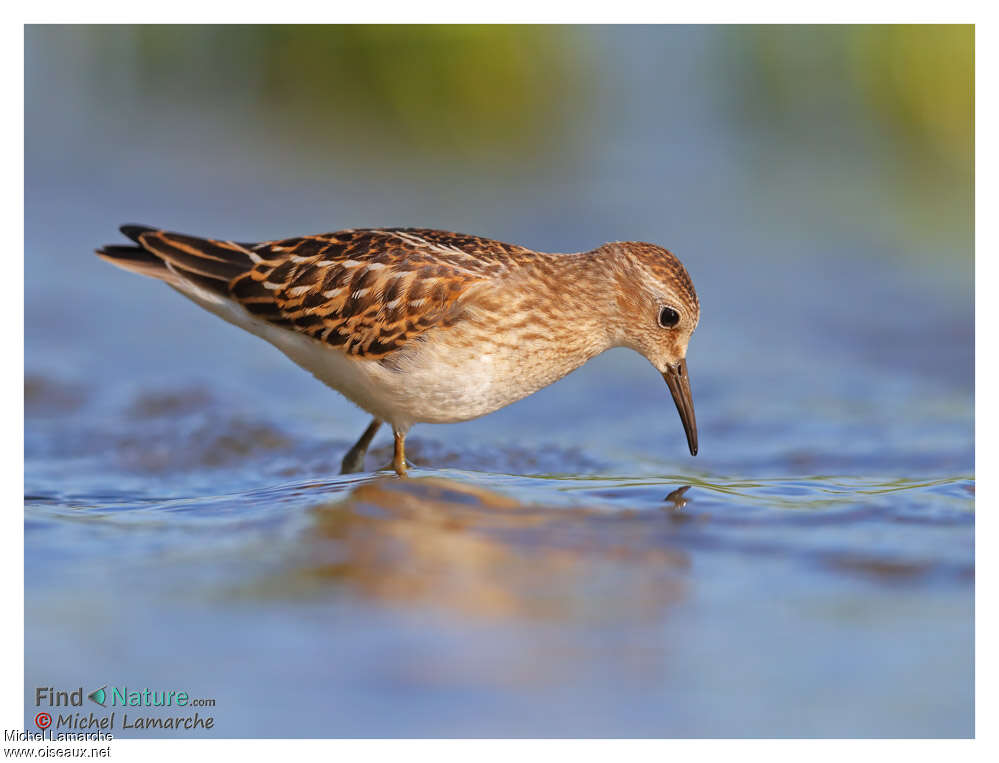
point(561, 567)
point(536, 589)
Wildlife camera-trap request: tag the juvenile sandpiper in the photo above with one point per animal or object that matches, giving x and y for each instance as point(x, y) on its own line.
point(417, 325)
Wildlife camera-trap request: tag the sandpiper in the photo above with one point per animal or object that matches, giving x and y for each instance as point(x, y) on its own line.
point(417, 325)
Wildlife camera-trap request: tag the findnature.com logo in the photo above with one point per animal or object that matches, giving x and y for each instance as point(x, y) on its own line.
point(120, 697)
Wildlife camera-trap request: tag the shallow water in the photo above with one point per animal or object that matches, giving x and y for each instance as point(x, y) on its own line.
point(186, 540)
point(559, 568)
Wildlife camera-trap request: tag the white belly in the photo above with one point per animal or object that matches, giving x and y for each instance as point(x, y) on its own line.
point(448, 375)
point(434, 381)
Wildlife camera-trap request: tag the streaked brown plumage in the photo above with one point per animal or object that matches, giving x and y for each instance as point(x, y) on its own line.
point(425, 325)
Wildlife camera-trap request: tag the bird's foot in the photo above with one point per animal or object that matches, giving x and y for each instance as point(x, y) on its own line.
point(392, 467)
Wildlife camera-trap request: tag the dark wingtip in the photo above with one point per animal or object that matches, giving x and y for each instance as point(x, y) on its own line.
point(134, 231)
point(123, 252)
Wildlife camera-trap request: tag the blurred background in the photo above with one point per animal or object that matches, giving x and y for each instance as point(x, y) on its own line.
point(184, 519)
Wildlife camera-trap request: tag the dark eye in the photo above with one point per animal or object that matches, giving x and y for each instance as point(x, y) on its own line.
point(668, 317)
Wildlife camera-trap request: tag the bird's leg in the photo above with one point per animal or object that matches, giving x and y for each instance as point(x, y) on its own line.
point(354, 460)
point(399, 457)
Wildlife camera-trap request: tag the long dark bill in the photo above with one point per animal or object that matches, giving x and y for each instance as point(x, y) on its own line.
point(679, 386)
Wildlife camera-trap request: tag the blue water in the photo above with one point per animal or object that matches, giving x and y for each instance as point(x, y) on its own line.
point(186, 528)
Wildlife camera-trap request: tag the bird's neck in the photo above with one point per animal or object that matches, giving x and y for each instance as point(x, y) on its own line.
point(574, 301)
point(597, 293)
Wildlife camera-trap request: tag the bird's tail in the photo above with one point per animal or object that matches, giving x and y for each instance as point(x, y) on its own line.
point(176, 258)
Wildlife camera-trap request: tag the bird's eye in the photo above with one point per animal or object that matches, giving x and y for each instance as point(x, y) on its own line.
point(668, 317)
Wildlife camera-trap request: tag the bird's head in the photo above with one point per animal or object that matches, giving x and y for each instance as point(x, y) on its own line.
point(657, 311)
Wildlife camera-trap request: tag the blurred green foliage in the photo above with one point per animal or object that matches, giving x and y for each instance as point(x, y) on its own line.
point(840, 115)
point(476, 88)
point(920, 78)
point(450, 88)
point(913, 82)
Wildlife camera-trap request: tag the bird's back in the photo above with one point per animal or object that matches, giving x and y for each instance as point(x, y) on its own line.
point(366, 292)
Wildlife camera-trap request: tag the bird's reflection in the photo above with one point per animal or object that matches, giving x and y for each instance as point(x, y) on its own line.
point(676, 499)
point(434, 543)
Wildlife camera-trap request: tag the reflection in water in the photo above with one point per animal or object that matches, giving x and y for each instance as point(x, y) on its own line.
point(448, 545)
point(499, 597)
point(676, 499)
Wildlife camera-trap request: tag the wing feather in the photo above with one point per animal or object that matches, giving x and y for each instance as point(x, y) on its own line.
point(368, 292)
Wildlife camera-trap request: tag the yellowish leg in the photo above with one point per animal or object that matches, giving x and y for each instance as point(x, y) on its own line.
point(399, 458)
